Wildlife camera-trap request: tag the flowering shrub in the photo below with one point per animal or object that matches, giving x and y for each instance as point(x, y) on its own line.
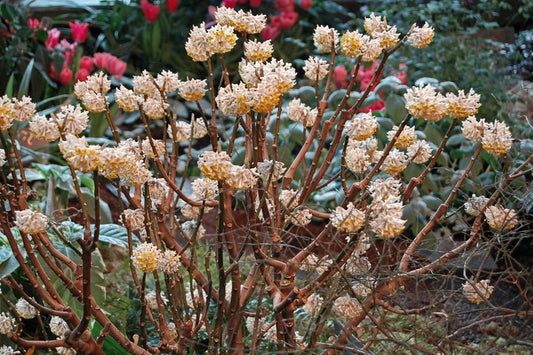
point(255, 278)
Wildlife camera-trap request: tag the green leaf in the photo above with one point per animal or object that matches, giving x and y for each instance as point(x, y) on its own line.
point(395, 107)
point(9, 86)
point(8, 262)
point(110, 345)
point(25, 81)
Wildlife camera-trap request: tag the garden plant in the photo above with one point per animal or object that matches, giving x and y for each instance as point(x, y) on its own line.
point(281, 216)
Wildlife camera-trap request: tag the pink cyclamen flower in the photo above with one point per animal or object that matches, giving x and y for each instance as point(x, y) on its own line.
point(101, 59)
point(172, 5)
point(53, 39)
point(79, 31)
point(150, 11)
point(306, 4)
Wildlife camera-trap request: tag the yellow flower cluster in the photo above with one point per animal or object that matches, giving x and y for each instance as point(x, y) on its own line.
point(478, 292)
point(146, 257)
point(349, 219)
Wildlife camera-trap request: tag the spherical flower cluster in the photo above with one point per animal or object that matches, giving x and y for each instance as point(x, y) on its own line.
point(500, 218)
point(92, 92)
point(25, 309)
point(264, 97)
point(58, 326)
point(475, 204)
point(497, 138)
point(313, 264)
point(361, 126)
point(182, 131)
point(300, 217)
point(357, 159)
point(462, 105)
point(215, 165)
point(315, 68)
point(30, 222)
point(136, 175)
point(299, 112)
point(72, 119)
point(170, 262)
point(79, 154)
point(386, 208)
point(374, 25)
point(2, 157)
point(395, 162)
point(44, 129)
point(148, 150)
point(144, 84)
point(67, 351)
point(479, 292)
point(348, 219)
point(146, 257)
point(250, 72)
point(244, 22)
point(233, 100)
point(313, 304)
point(133, 219)
point(424, 102)
point(24, 109)
point(371, 51)
point(419, 152)
point(167, 81)
point(205, 189)
point(370, 147)
point(421, 37)
point(221, 39)
point(197, 45)
point(406, 138)
point(159, 190)
point(242, 178)
point(7, 113)
point(127, 99)
point(258, 51)
point(325, 38)
point(288, 199)
point(347, 308)
point(352, 43)
point(7, 323)
point(473, 129)
point(8, 350)
point(280, 74)
point(192, 89)
point(269, 170)
point(388, 37)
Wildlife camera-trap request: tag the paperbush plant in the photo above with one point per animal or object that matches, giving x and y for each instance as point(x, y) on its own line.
point(227, 260)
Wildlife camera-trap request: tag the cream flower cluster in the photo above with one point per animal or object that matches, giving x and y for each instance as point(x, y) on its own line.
point(217, 166)
point(92, 92)
point(147, 257)
point(313, 304)
point(479, 292)
point(315, 68)
point(30, 222)
point(500, 218)
point(7, 323)
point(475, 204)
point(25, 309)
point(133, 219)
point(386, 208)
point(349, 219)
point(299, 112)
point(58, 326)
point(347, 308)
point(495, 137)
point(15, 110)
point(421, 37)
point(242, 21)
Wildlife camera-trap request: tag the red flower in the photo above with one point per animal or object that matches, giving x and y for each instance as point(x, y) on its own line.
point(401, 73)
point(33, 23)
point(229, 3)
point(288, 19)
point(86, 63)
point(270, 32)
point(340, 76)
point(79, 31)
point(116, 67)
point(375, 106)
point(53, 39)
point(306, 4)
point(255, 3)
point(172, 5)
point(82, 74)
point(101, 59)
point(150, 11)
point(65, 77)
point(68, 49)
point(284, 5)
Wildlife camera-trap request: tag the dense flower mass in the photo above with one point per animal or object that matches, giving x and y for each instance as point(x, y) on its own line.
point(197, 45)
point(474, 129)
point(475, 204)
point(30, 222)
point(421, 37)
point(478, 292)
point(500, 218)
point(349, 219)
point(316, 68)
point(221, 39)
point(25, 309)
point(497, 138)
point(462, 105)
point(325, 38)
point(424, 102)
point(352, 43)
point(215, 165)
point(146, 257)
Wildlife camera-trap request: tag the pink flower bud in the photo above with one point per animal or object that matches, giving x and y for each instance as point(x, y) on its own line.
point(79, 31)
point(340, 76)
point(150, 11)
point(86, 63)
point(65, 77)
point(53, 39)
point(306, 4)
point(172, 5)
point(288, 19)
